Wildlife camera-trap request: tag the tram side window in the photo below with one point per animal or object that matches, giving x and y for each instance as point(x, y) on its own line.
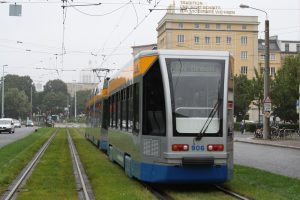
point(114, 111)
point(136, 93)
point(154, 119)
point(119, 110)
point(110, 111)
point(105, 120)
point(124, 109)
point(130, 107)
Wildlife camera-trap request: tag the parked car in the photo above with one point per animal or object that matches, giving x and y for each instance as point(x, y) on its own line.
point(17, 123)
point(7, 125)
point(29, 123)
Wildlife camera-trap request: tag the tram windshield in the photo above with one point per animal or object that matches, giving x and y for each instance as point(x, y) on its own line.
point(197, 88)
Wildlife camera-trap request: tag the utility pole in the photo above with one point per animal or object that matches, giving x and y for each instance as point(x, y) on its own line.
point(267, 100)
point(31, 102)
point(2, 111)
point(266, 126)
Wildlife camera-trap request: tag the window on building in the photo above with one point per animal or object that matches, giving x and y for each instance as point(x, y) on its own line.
point(262, 57)
point(197, 25)
point(287, 47)
point(228, 26)
point(272, 56)
point(196, 39)
point(298, 47)
point(207, 40)
point(180, 38)
point(244, 55)
point(244, 70)
point(244, 39)
point(272, 71)
point(180, 25)
point(207, 26)
point(218, 40)
point(218, 26)
point(262, 69)
point(228, 40)
point(244, 27)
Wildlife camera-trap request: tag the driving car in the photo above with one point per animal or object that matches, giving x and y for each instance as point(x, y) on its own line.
point(17, 123)
point(29, 123)
point(7, 125)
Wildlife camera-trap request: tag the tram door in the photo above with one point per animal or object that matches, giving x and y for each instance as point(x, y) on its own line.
point(154, 115)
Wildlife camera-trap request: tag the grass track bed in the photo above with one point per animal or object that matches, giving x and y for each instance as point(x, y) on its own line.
point(107, 179)
point(53, 177)
point(15, 156)
point(259, 184)
point(251, 182)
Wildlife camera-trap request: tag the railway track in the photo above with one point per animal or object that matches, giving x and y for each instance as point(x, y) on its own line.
point(160, 194)
point(84, 188)
point(231, 193)
point(25, 173)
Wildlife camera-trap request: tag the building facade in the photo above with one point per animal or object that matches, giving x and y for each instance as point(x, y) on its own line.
point(236, 34)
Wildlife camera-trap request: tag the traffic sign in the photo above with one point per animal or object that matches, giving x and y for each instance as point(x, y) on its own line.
point(267, 100)
point(267, 104)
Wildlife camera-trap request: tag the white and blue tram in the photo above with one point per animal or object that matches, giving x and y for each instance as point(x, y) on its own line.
point(168, 117)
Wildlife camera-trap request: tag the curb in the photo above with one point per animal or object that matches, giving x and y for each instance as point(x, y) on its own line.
point(274, 145)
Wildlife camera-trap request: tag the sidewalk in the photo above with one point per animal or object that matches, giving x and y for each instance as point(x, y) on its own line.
point(248, 137)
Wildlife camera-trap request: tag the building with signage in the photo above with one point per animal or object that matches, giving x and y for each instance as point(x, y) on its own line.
point(237, 34)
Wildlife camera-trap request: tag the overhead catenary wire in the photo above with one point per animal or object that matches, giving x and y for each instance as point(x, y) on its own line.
point(97, 15)
point(129, 34)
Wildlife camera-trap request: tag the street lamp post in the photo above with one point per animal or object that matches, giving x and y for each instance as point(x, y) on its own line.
point(2, 111)
point(266, 125)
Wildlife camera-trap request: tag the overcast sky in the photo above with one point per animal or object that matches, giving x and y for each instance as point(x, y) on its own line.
point(102, 35)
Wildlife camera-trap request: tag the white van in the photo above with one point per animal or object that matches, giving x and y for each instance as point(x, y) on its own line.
point(7, 125)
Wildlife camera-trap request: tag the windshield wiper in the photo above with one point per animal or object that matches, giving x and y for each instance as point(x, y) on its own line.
point(210, 117)
point(208, 121)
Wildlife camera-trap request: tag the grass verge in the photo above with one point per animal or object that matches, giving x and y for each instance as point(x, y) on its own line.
point(107, 179)
point(15, 156)
point(258, 184)
point(53, 177)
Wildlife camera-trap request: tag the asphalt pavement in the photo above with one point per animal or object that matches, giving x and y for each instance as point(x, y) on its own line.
point(276, 156)
point(7, 138)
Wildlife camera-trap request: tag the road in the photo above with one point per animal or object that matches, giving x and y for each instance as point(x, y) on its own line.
point(6, 138)
point(278, 160)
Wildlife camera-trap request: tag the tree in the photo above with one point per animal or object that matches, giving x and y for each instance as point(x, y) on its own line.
point(82, 97)
point(285, 89)
point(16, 103)
point(22, 83)
point(243, 95)
point(258, 90)
point(55, 102)
point(56, 86)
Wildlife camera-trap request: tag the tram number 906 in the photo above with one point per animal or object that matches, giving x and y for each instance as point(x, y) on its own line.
point(198, 148)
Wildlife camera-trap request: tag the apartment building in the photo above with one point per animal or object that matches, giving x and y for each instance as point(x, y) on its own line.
point(236, 34)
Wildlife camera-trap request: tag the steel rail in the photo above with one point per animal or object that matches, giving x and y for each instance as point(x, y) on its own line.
point(86, 196)
point(30, 166)
point(231, 193)
point(159, 194)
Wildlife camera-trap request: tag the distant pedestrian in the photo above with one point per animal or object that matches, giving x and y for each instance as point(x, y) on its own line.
point(242, 127)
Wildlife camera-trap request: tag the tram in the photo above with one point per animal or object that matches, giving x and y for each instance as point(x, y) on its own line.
point(168, 117)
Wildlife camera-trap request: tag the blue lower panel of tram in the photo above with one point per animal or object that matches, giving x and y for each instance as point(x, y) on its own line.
point(178, 174)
